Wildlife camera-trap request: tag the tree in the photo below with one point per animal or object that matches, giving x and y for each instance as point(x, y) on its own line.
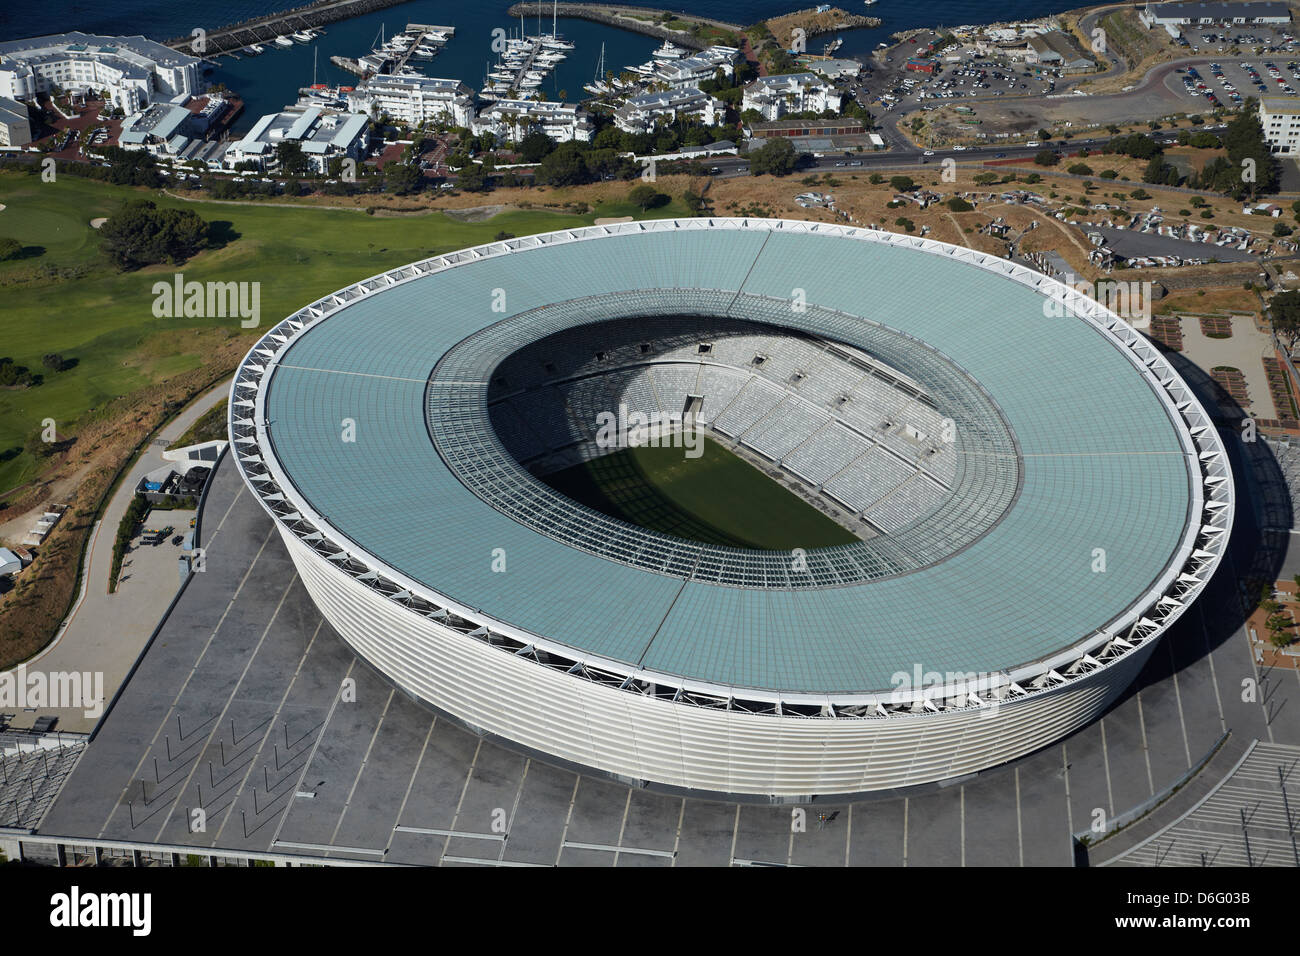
point(54, 361)
point(564, 166)
point(401, 179)
point(646, 196)
point(293, 161)
point(957, 204)
point(1046, 157)
point(534, 147)
point(1080, 169)
point(474, 178)
point(141, 234)
point(901, 184)
point(1284, 314)
point(10, 249)
point(777, 156)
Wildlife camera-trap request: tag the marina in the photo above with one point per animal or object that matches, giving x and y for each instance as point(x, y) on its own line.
point(526, 62)
point(393, 55)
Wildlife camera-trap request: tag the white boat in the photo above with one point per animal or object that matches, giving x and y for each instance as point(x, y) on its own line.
point(599, 88)
point(300, 37)
point(283, 41)
point(425, 50)
point(529, 84)
point(534, 75)
point(437, 36)
point(552, 42)
point(645, 69)
point(669, 51)
point(501, 75)
point(257, 48)
point(249, 51)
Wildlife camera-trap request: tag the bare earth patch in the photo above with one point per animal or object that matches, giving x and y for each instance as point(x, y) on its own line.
point(475, 213)
point(96, 223)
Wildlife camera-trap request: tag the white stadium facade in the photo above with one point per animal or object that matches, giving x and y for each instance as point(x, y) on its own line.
point(1035, 496)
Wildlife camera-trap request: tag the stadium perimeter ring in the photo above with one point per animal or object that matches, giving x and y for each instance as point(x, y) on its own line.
point(731, 673)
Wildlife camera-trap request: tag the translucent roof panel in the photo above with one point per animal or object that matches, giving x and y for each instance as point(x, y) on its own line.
point(1103, 467)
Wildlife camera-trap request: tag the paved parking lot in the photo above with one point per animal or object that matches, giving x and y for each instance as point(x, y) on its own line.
point(1250, 819)
point(235, 710)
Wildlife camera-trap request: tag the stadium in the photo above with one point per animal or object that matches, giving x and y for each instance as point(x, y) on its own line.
point(749, 507)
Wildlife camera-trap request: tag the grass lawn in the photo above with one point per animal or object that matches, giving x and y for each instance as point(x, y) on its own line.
point(69, 299)
point(717, 498)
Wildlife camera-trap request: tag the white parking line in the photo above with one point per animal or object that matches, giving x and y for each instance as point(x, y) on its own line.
point(1146, 748)
point(1020, 832)
point(365, 758)
point(455, 818)
point(568, 818)
point(411, 783)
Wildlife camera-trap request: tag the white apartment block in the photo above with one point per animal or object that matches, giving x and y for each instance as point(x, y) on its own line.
point(640, 113)
point(133, 70)
point(1280, 118)
point(778, 96)
point(415, 99)
point(694, 70)
point(514, 119)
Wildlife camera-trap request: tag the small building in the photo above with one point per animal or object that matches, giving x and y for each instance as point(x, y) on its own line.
point(921, 65)
point(324, 135)
point(159, 129)
point(10, 563)
point(843, 126)
point(1055, 48)
point(15, 127)
point(833, 69)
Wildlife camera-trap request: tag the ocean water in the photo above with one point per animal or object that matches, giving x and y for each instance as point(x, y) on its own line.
point(271, 81)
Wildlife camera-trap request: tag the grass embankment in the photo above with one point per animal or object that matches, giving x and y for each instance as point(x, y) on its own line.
point(716, 498)
point(133, 370)
point(210, 426)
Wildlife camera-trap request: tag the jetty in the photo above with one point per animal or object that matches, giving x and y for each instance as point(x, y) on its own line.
point(263, 30)
point(626, 18)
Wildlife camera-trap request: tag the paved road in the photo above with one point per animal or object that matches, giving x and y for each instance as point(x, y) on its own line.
point(106, 632)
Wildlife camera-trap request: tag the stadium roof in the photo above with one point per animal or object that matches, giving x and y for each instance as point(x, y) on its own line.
point(1106, 465)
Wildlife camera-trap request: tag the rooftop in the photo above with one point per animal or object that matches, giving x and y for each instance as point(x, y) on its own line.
point(1112, 471)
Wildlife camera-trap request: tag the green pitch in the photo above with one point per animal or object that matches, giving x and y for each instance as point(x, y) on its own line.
point(717, 498)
